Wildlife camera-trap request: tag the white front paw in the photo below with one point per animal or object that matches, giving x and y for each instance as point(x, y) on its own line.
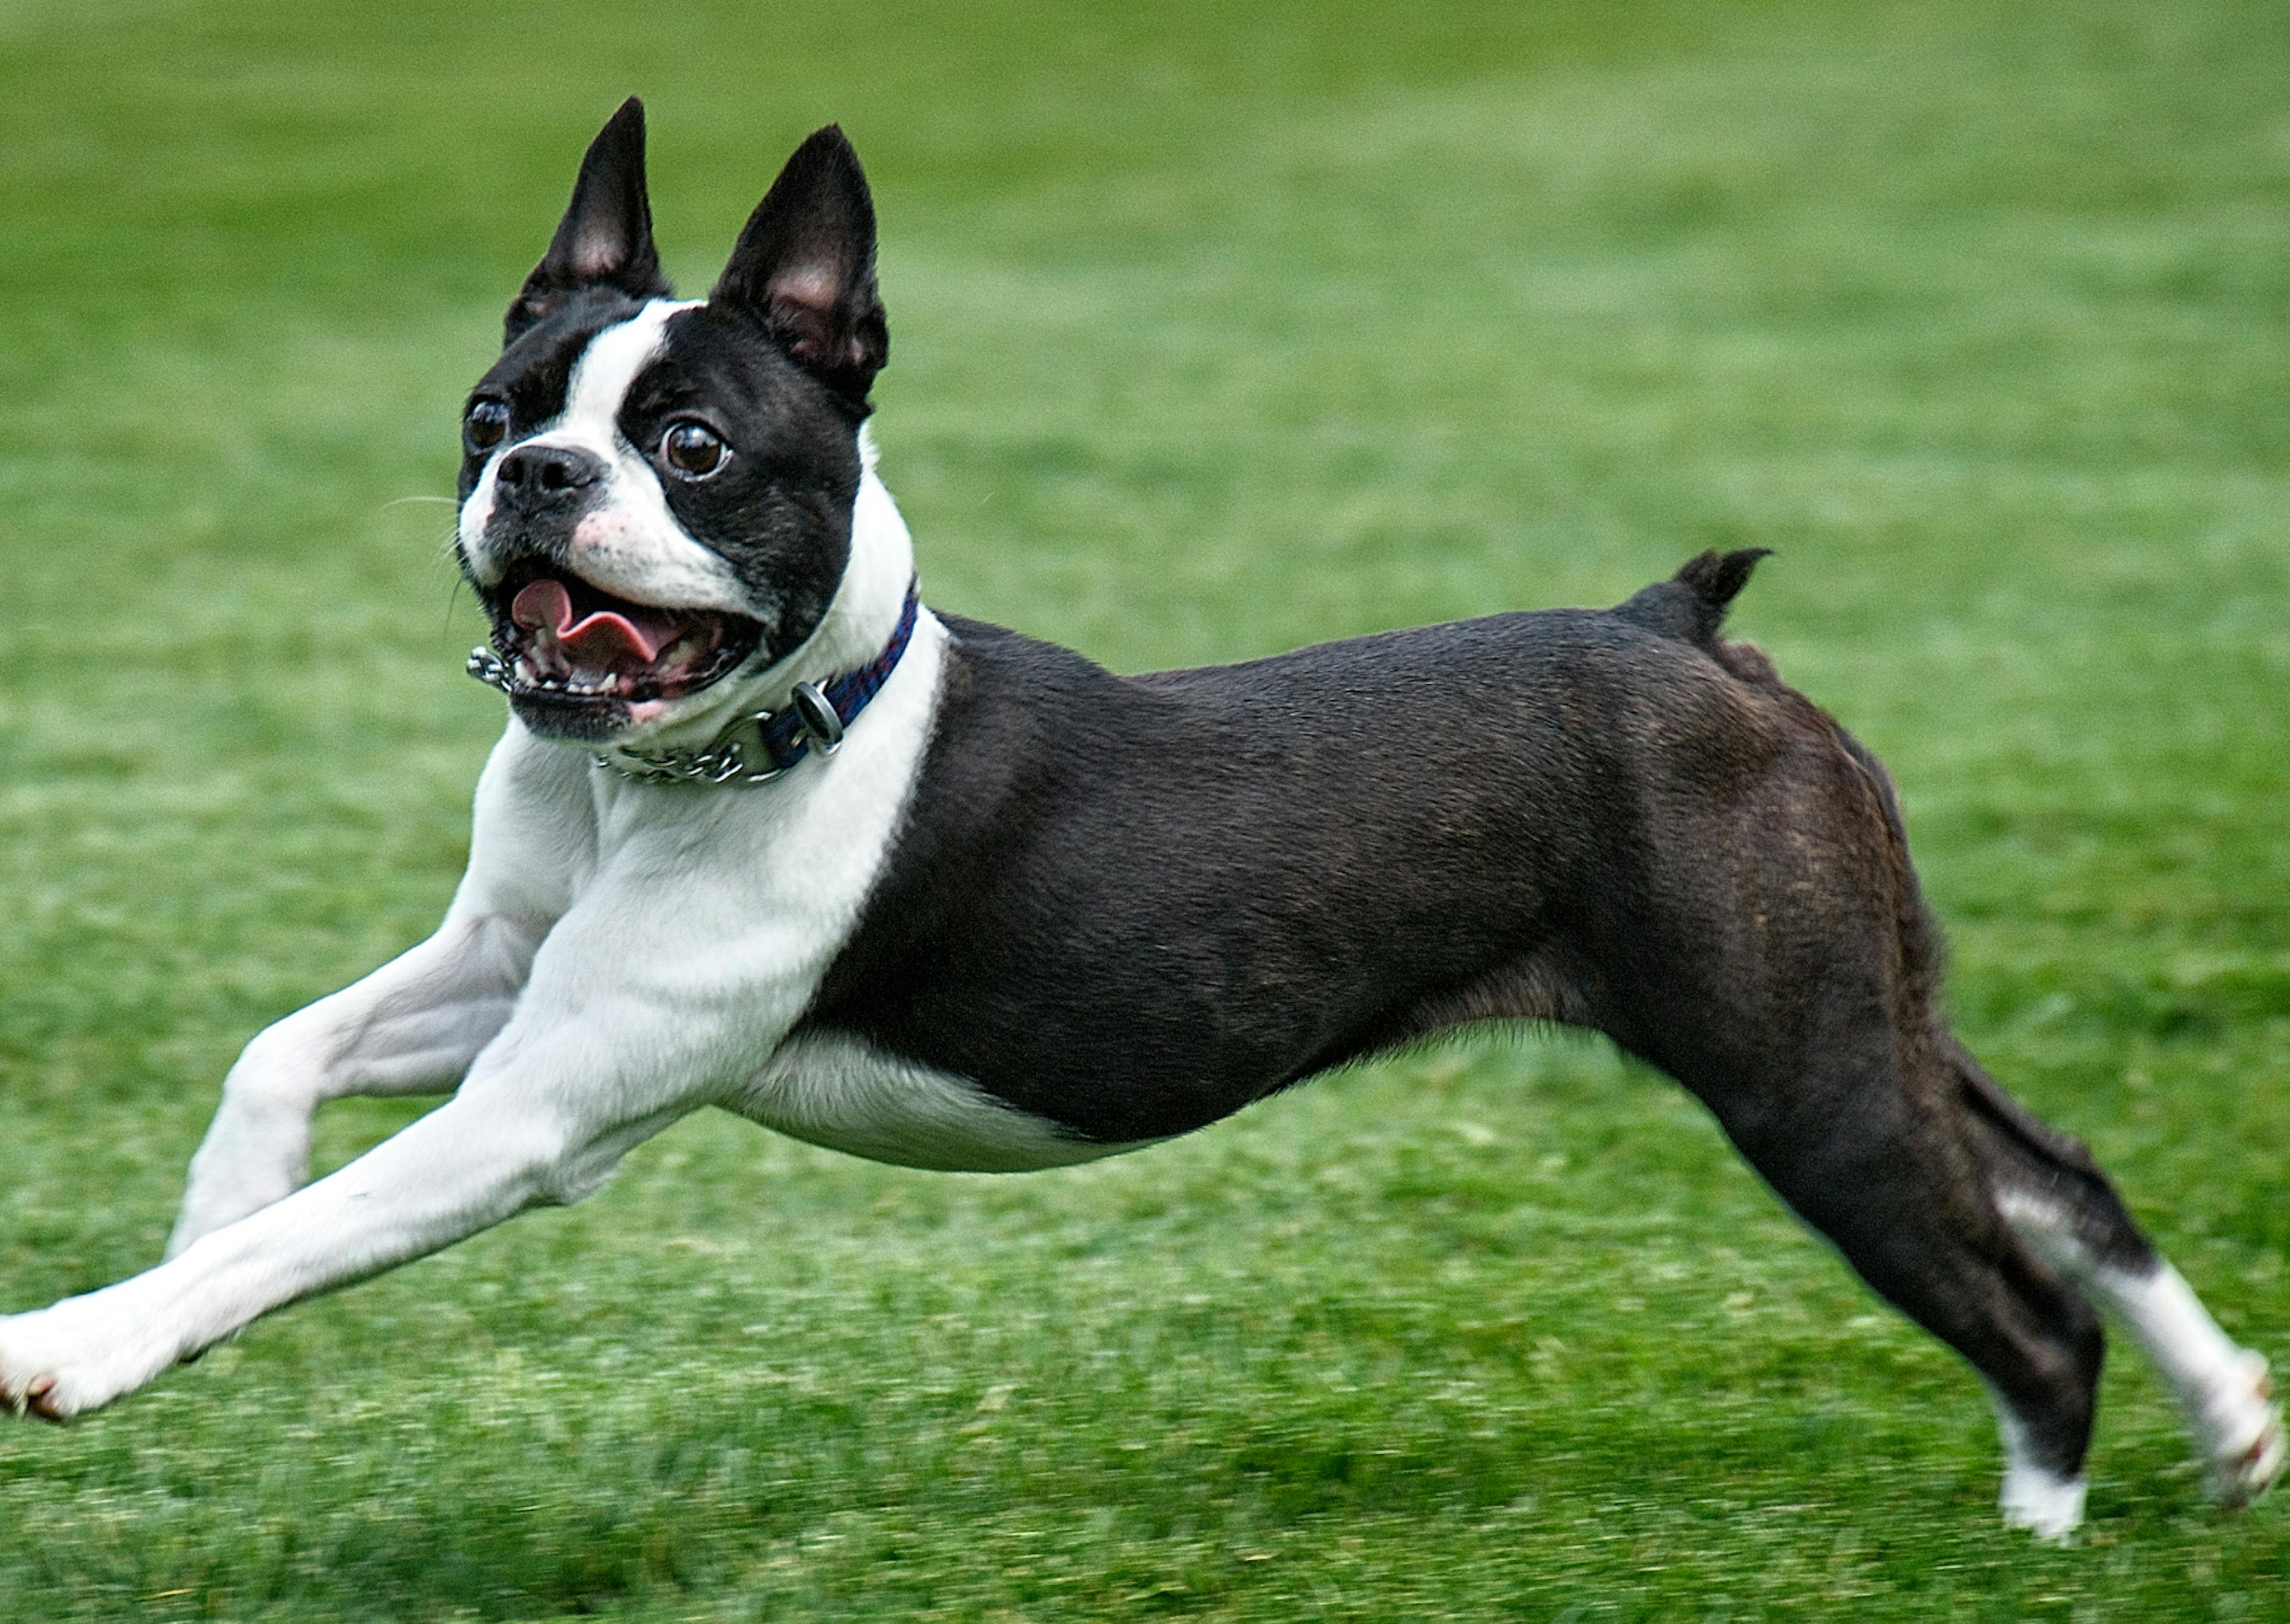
point(2242, 1433)
point(60, 1362)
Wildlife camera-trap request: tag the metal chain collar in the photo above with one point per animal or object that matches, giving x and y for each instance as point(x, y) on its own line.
point(726, 759)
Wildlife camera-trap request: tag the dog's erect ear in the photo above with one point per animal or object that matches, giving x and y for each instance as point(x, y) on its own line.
point(804, 266)
point(605, 239)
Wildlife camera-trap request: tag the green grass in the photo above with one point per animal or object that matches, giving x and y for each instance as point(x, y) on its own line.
point(1215, 331)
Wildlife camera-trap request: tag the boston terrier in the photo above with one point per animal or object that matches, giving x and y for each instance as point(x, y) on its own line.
point(765, 833)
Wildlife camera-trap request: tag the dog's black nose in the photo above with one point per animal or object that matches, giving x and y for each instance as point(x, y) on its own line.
point(536, 476)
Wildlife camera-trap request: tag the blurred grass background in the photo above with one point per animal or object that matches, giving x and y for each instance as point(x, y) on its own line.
point(1215, 331)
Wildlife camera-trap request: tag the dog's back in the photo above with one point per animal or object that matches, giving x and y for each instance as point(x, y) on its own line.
point(1248, 873)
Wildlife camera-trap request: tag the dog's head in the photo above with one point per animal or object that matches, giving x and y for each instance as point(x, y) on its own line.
point(656, 496)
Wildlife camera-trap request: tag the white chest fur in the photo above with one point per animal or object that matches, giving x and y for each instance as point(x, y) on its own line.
point(720, 911)
point(716, 911)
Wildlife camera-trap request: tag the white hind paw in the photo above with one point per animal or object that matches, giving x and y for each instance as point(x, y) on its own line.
point(2045, 1504)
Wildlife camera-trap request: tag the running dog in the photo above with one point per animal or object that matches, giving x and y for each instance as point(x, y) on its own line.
point(764, 833)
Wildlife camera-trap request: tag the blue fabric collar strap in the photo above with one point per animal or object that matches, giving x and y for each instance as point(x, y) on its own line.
point(766, 744)
point(788, 734)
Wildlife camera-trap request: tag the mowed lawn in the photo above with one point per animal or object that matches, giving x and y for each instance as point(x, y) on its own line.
point(1215, 331)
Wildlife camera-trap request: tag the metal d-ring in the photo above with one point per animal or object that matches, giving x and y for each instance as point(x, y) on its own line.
point(818, 717)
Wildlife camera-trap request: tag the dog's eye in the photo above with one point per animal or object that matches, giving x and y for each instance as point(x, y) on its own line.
point(486, 424)
point(691, 449)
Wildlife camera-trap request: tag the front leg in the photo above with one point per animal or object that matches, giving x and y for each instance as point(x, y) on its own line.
point(542, 1119)
point(411, 1027)
point(667, 971)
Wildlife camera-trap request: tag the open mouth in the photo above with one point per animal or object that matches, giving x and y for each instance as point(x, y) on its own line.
point(564, 642)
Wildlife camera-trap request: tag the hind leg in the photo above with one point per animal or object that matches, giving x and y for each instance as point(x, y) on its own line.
point(2049, 1188)
point(1902, 1197)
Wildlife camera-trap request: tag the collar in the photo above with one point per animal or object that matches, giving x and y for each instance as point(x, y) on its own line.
point(766, 744)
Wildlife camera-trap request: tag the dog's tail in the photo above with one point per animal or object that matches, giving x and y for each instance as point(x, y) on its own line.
point(1691, 605)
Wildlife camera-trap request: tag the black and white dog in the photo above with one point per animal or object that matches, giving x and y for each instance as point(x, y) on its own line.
point(765, 834)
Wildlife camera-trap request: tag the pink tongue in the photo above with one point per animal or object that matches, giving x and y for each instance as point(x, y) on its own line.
point(605, 640)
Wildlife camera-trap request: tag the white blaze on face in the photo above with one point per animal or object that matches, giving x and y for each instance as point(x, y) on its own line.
point(628, 543)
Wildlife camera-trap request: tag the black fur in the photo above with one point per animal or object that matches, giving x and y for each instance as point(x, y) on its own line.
point(780, 513)
point(1134, 905)
point(804, 268)
point(605, 239)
